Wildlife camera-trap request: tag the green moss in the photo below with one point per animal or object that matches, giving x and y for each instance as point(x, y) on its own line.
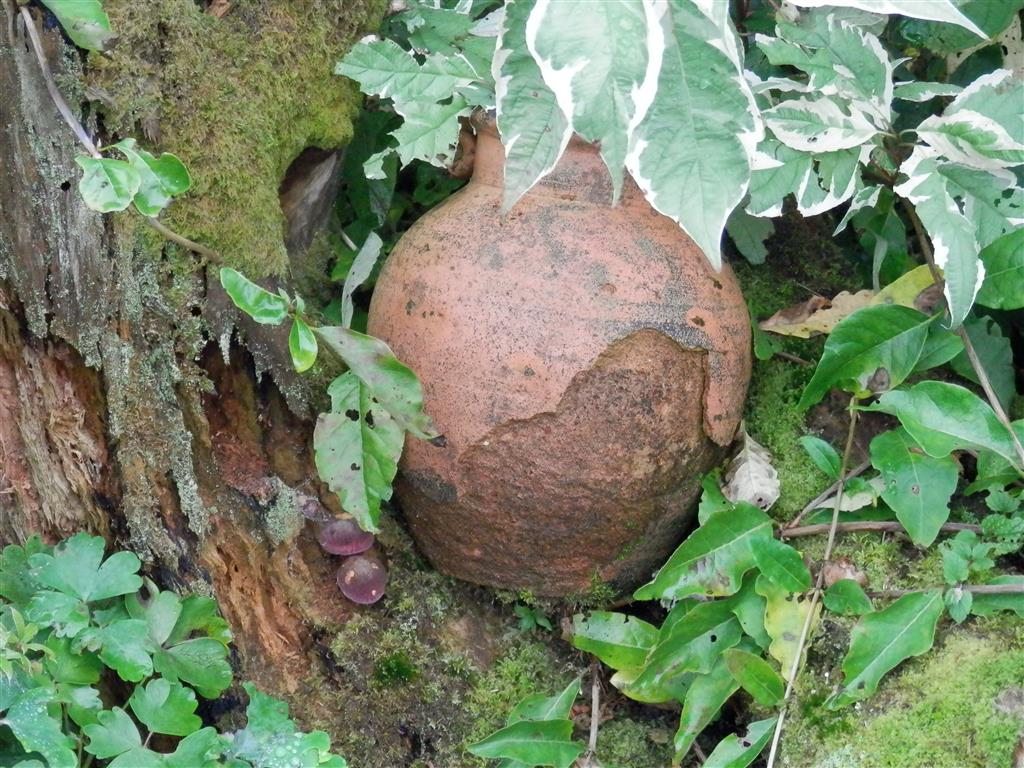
point(942, 710)
point(237, 98)
point(394, 669)
point(627, 743)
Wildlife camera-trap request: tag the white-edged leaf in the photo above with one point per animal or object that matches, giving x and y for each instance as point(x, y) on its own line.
point(929, 10)
point(818, 125)
point(361, 268)
point(429, 131)
point(385, 69)
point(916, 90)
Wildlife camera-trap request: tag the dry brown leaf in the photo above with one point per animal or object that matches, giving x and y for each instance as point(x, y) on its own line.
point(816, 316)
point(843, 568)
point(751, 476)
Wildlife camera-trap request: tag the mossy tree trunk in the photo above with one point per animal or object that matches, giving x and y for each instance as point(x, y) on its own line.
point(129, 407)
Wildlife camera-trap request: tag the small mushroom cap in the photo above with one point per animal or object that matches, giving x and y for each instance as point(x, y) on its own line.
point(362, 579)
point(344, 537)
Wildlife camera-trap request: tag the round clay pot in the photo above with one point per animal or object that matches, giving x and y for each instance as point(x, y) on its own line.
point(586, 366)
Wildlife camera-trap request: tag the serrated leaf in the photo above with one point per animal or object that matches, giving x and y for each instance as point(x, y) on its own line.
point(883, 639)
point(751, 478)
point(875, 348)
point(1004, 272)
point(781, 564)
point(161, 178)
point(713, 559)
point(818, 125)
point(259, 304)
point(125, 647)
point(160, 611)
point(107, 184)
point(847, 597)
point(197, 750)
point(784, 619)
point(393, 385)
point(429, 132)
point(37, 731)
point(66, 614)
point(986, 605)
point(755, 676)
point(63, 666)
point(302, 345)
point(822, 454)
point(690, 154)
point(84, 22)
point(76, 567)
point(383, 68)
point(533, 742)
point(357, 446)
point(533, 128)
point(918, 487)
point(943, 418)
point(602, 79)
point(165, 707)
point(931, 10)
point(704, 700)
point(115, 733)
point(202, 663)
point(740, 751)
point(360, 270)
point(620, 641)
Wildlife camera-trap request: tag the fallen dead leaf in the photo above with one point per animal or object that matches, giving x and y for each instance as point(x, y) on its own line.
point(843, 568)
point(751, 476)
point(817, 315)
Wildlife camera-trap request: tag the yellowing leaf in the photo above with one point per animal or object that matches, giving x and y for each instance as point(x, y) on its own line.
point(784, 617)
point(817, 315)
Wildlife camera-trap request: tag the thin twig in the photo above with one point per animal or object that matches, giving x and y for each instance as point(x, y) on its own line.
point(867, 525)
point(976, 589)
point(816, 592)
point(972, 355)
point(595, 708)
point(703, 758)
point(181, 240)
point(813, 504)
point(51, 86)
point(793, 358)
point(348, 241)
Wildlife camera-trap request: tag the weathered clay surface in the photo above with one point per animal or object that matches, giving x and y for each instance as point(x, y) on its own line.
point(585, 364)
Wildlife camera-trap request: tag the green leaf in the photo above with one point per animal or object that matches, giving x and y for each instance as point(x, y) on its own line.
point(532, 126)
point(259, 304)
point(847, 597)
point(125, 647)
point(784, 620)
point(533, 742)
point(781, 564)
point(382, 68)
point(748, 234)
point(302, 345)
point(540, 707)
point(75, 568)
point(199, 614)
point(357, 448)
point(202, 663)
point(822, 454)
point(918, 487)
point(599, 93)
point(749, 607)
point(883, 639)
point(17, 582)
point(161, 612)
point(620, 641)
point(713, 559)
point(1004, 272)
point(931, 10)
point(691, 151)
point(986, 605)
point(84, 21)
point(83, 703)
point(107, 184)
point(704, 700)
point(996, 357)
point(944, 39)
point(37, 731)
point(165, 707)
point(360, 270)
point(958, 602)
point(922, 91)
point(114, 734)
point(63, 666)
point(161, 178)
point(712, 500)
point(755, 676)
point(940, 347)
point(390, 383)
point(66, 614)
point(943, 418)
point(876, 347)
point(740, 751)
point(429, 132)
point(197, 750)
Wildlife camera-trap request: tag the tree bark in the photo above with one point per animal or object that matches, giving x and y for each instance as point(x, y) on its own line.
point(127, 406)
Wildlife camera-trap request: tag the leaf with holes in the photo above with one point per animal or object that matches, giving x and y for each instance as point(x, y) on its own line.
point(107, 184)
point(918, 487)
point(618, 640)
point(873, 349)
point(713, 559)
point(357, 446)
point(84, 21)
point(740, 751)
point(784, 620)
point(883, 639)
point(389, 383)
point(755, 675)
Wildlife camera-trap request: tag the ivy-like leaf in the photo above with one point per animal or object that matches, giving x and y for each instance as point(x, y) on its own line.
point(17, 582)
point(126, 647)
point(713, 559)
point(357, 447)
point(165, 707)
point(740, 751)
point(755, 676)
point(883, 639)
point(197, 750)
point(65, 614)
point(84, 21)
point(618, 640)
point(37, 731)
point(875, 348)
point(393, 385)
point(918, 487)
point(847, 597)
point(76, 568)
point(107, 184)
point(201, 662)
point(302, 345)
point(781, 564)
point(259, 304)
point(114, 734)
point(160, 611)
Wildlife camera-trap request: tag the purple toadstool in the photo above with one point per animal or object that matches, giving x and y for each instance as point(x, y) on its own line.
point(362, 579)
point(344, 537)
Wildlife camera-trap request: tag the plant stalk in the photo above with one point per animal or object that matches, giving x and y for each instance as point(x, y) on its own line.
point(813, 504)
point(976, 589)
point(867, 525)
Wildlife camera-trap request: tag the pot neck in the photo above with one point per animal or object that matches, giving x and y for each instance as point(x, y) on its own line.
point(580, 174)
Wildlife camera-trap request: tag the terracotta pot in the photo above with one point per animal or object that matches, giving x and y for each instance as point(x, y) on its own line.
point(586, 365)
